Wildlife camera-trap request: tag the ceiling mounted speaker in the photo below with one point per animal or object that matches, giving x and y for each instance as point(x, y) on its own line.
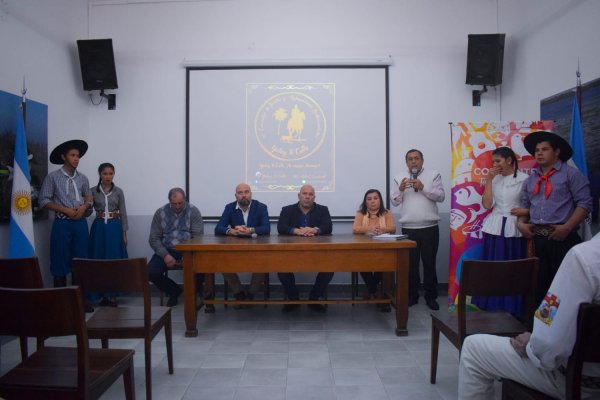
point(97, 64)
point(484, 59)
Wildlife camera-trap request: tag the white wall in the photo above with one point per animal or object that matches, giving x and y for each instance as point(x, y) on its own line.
point(427, 40)
point(543, 52)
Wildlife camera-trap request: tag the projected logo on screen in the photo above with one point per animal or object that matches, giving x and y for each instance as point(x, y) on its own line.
point(288, 138)
point(290, 126)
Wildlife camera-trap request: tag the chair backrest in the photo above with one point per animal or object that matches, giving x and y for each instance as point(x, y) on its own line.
point(21, 273)
point(47, 313)
point(586, 349)
point(120, 275)
point(498, 278)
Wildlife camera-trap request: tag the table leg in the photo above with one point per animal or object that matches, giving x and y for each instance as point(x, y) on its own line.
point(402, 293)
point(189, 295)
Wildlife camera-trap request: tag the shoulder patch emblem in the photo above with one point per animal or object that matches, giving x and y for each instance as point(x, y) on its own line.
point(547, 310)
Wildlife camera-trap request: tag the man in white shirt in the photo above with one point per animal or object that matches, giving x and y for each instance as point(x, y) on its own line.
point(537, 359)
point(417, 194)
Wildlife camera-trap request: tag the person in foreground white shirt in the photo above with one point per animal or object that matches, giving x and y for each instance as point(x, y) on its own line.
point(537, 360)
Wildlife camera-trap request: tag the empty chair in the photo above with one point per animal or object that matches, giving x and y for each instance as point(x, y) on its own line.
point(58, 372)
point(586, 349)
point(486, 278)
point(125, 275)
point(21, 273)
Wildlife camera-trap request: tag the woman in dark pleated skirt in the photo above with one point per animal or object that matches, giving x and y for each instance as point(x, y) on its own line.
point(108, 235)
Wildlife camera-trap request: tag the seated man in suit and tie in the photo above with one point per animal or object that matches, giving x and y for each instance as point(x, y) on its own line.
point(244, 217)
point(305, 218)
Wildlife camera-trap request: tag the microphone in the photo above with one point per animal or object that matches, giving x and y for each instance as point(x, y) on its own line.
point(413, 175)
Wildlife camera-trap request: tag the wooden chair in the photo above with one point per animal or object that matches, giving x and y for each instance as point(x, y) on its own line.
point(486, 278)
point(125, 275)
point(21, 273)
point(586, 349)
point(58, 372)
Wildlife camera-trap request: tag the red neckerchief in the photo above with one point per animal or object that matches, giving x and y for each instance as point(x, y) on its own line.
point(545, 178)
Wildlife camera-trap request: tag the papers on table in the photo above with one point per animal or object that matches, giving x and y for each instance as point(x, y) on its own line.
point(390, 236)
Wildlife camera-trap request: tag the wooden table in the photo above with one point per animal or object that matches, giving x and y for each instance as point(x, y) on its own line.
point(328, 253)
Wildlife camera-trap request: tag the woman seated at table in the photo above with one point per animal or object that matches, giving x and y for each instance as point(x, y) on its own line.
point(373, 218)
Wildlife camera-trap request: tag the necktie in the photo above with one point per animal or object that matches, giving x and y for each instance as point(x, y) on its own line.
point(544, 178)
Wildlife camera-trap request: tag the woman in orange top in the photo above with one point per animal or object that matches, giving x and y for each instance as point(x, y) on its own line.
point(373, 218)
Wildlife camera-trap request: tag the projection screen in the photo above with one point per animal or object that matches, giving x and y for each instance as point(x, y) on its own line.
point(277, 128)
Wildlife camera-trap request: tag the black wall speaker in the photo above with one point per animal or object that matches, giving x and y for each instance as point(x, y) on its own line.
point(484, 59)
point(97, 64)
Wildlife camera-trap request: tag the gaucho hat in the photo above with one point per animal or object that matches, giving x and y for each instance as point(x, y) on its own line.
point(534, 138)
point(56, 155)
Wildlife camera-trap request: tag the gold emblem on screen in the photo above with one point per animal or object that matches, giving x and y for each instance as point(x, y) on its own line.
point(290, 126)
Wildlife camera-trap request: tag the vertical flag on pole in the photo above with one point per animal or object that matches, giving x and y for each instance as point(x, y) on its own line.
point(585, 231)
point(577, 140)
point(20, 241)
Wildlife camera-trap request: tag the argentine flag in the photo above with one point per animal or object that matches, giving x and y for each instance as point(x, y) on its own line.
point(579, 161)
point(20, 239)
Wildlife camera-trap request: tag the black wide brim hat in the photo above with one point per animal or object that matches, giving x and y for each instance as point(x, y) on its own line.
point(56, 155)
point(534, 138)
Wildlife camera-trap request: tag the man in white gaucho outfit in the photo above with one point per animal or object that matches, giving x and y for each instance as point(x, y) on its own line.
point(538, 359)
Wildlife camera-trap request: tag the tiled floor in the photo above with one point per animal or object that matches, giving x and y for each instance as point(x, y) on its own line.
point(349, 353)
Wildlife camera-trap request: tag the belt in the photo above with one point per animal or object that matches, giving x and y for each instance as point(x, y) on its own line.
point(543, 230)
point(111, 214)
point(60, 215)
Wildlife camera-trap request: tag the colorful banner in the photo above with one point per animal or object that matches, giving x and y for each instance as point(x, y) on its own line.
point(472, 146)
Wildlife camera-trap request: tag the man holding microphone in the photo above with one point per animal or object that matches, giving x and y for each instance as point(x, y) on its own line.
point(417, 194)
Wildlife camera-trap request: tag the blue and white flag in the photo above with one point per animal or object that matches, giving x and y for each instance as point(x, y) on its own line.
point(579, 161)
point(577, 143)
point(20, 238)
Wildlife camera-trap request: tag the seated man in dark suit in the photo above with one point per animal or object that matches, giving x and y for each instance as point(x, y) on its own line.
point(305, 218)
point(244, 217)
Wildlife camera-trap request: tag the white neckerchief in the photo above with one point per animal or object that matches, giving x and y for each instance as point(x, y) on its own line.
point(105, 203)
point(71, 179)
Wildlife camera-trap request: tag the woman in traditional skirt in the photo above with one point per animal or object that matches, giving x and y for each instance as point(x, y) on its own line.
point(108, 236)
point(501, 238)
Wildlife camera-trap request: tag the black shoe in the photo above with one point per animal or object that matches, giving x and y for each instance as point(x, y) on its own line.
point(249, 297)
point(239, 296)
point(172, 302)
point(112, 302)
point(89, 309)
point(321, 308)
point(289, 307)
point(104, 302)
point(385, 307)
point(412, 301)
point(432, 304)
point(209, 309)
point(60, 281)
